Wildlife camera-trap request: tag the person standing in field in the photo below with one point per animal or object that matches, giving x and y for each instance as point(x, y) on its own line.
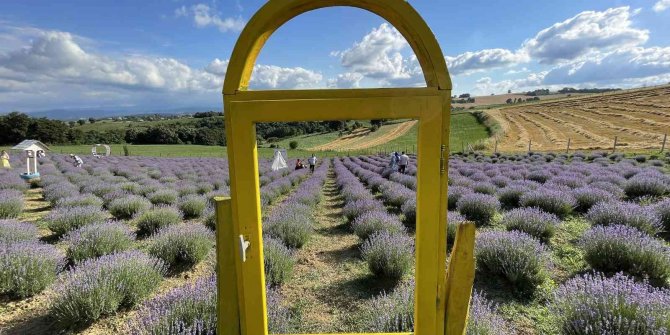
point(4, 160)
point(403, 161)
point(77, 160)
point(394, 161)
point(312, 163)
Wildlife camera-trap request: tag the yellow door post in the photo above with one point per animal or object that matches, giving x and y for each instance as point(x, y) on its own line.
point(239, 231)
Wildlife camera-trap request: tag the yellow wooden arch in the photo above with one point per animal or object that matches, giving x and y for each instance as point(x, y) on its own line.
point(442, 297)
point(275, 13)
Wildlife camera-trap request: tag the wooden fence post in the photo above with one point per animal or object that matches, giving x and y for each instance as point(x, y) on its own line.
point(567, 150)
point(665, 137)
point(530, 143)
point(615, 140)
point(228, 300)
point(495, 148)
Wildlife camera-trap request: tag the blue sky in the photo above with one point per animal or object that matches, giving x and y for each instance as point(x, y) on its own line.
point(172, 54)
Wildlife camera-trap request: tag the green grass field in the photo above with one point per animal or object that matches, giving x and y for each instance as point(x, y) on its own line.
point(464, 129)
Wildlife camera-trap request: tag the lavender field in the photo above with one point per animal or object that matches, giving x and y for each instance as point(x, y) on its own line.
point(566, 244)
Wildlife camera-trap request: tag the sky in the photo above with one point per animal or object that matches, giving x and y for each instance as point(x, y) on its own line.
point(173, 54)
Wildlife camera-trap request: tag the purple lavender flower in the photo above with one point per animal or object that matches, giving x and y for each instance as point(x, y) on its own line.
point(12, 231)
point(595, 304)
point(388, 255)
point(480, 208)
point(619, 248)
point(188, 309)
point(28, 267)
point(98, 287)
point(373, 222)
point(624, 213)
point(97, 239)
point(11, 204)
point(515, 256)
point(532, 221)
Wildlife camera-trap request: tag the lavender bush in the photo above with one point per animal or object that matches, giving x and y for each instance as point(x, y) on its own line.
point(388, 255)
point(509, 196)
point(480, 208)
point(455, 194)
point(532, 221)
point(12, 231)
point(65, 219)
point(278, 260)
point(151, 221)
point(354, 209)
point(618, 248)
point(11, 204)
point(128, 206)
point(392, 312)
point(588, 196)
point(453, 220)
point(515, 256)
point(98, 239)
point(182, 245)
point(189, 309)
point(80, 200)
point(192, 206)
point(373, 222)
point(279, 316)
point(552, 201)
point(163, 197)
point(98, 287)
point(662, 211)
point(483, 318)
point(595, 304)
point(645, 185)
point(624, 213)
point(28, 267)
point(291, 223)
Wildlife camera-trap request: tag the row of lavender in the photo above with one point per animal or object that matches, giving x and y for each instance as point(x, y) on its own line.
point(539, 195)
point(152, 194)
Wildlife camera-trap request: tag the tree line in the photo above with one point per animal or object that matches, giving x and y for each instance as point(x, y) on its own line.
point(207, 129)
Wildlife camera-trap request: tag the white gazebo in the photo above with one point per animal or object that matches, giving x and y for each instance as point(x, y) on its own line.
point(33, 149)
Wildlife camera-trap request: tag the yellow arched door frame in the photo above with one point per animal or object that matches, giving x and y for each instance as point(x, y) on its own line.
point(275, 13)
point(441, 296)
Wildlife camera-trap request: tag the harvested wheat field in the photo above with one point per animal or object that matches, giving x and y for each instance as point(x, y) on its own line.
point(638, 118)
point(364, 138)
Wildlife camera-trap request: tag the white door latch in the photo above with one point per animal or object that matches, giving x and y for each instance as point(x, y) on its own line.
point(244, 245)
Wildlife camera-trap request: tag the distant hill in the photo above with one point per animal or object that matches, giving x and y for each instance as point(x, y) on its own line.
point(84, 113)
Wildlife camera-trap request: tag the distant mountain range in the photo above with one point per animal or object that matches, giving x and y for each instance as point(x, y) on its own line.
point(85, 113)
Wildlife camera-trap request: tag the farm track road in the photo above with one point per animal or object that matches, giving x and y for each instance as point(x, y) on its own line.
point(364, 139)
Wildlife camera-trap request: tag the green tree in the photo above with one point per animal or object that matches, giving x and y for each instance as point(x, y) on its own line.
point(293, 145)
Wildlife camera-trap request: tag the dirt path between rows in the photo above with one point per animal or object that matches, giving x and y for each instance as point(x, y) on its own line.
point(330, 283)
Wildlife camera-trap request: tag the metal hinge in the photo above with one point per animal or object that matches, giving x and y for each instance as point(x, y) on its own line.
point(244, 245)
point(443, 160)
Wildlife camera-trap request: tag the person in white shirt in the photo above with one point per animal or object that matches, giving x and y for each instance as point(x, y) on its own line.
point(312, 162)
point(404, 160)
point(77, 160)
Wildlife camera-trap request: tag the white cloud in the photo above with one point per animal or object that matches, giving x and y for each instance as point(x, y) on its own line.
point(379, 55)
point(346, 80)
point(486, 85)
point(54, 68)
point(469, 62)
point(661, 5)
point(584, 33)
point(204, 16)
point(615, 66)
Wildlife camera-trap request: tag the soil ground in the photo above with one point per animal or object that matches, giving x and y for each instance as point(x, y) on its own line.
point(639, 119)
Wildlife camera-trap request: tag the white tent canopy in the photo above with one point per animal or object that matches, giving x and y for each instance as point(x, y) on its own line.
point(279, 160)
